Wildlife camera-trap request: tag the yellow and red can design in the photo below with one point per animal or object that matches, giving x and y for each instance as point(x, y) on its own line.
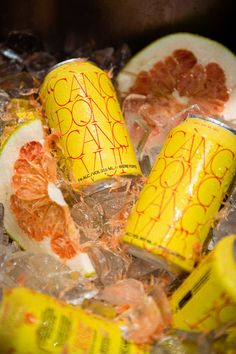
point(207, 298)
point(35, 323)
point(81, 104)
point(187, 184)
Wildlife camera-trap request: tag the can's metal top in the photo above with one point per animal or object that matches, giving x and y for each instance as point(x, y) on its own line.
point(217, 121)
point(68, 61)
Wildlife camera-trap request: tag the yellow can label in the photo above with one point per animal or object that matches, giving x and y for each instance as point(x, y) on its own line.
point(33, 323)
point(81, 104)
point(207, 298)
point(186, 186)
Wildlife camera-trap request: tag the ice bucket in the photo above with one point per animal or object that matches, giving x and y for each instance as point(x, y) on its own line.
point(65, 26)
point(109, 22)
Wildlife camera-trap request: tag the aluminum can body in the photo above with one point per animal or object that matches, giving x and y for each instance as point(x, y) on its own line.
point(206, 300)
point(176, 208)
point(36, 323)
point(80, 103)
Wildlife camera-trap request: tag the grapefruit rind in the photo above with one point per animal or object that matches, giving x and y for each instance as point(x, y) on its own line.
point(206, 51)
point(30, 131)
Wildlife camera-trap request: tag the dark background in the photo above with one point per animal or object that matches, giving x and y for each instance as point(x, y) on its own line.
point(71, 23)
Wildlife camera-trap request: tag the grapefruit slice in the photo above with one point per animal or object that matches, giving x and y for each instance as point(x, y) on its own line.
point(36, 214)
point(174, 73)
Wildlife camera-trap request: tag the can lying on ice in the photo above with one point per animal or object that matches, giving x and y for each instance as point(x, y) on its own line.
point(185, 189)
point(35, 323)
point(207, 298)
point(81, 104)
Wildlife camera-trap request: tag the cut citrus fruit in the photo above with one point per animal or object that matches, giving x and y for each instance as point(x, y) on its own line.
point(176, 72)
point(36, 214)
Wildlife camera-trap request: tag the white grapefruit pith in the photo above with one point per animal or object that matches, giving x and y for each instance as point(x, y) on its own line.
point(36, 214)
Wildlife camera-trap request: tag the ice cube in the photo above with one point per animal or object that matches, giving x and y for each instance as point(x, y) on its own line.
point(89, 217)
point(23, 42)
point(104, 57)
point(143, 317)
point(110, 265)
point(117, 202)
point(11, 54)
point(138, 128)
point(1, 218)
point(121, 57)
point(139, 268)
point(143, 322)
point(19, 84)
point(6, 247)
point(45, 274)
point(8, 68)
point(180, 342)
point(124, 292)
point(4, 100)
point(38, 63)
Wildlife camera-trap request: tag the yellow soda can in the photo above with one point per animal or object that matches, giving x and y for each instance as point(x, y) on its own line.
point(206, 300)
point(33, 323)
point(176, 208)
point(80, 103)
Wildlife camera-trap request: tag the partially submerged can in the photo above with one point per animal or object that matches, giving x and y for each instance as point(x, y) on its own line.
point(207, 298)
point(175, 211)
point(35, 323)
point(81, 104)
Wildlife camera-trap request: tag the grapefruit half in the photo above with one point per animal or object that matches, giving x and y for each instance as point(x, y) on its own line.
point(177, 72)
point(36, 214)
